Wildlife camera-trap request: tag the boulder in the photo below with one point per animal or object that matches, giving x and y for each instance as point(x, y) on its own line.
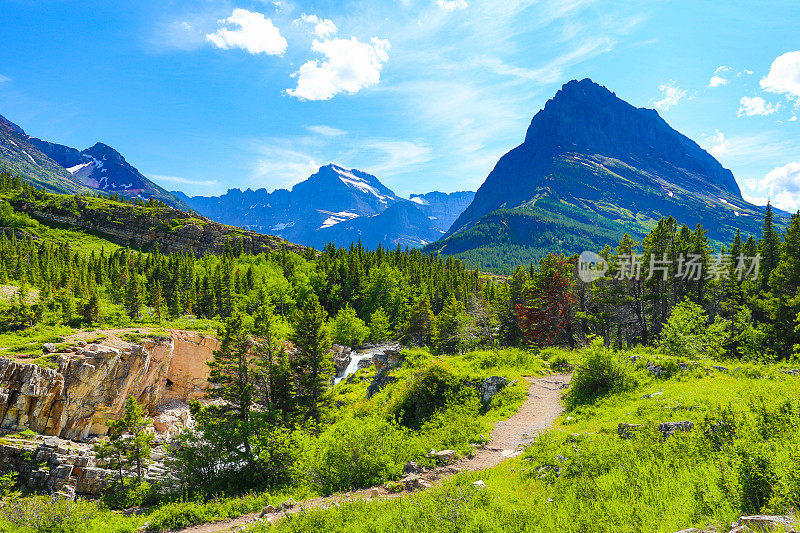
point(412, 481)
point(625, 431)
point(491, 386)
point(479, 484)
point(379, 382)
point(768, 523)
point(668, 428)
point(656, 370)
point(412, 468)
point(445, 456)
point(288, 504)
point(269, 509)
point(48, 347)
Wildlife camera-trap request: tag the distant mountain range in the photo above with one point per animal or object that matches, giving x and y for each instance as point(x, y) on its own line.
point(63, 169)
point(591, 168)
point(340, 206)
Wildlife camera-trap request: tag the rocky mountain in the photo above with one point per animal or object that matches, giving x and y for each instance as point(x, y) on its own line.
point(335, 205)
point(403, 224)
point(591, 168)
point(19, 155)
point(442, 208)
point(63, 169)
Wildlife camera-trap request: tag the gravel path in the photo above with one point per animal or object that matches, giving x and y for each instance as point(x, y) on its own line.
point(509, 438)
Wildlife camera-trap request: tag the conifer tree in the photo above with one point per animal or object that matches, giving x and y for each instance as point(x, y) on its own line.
point(129, 443)
point(310, 366)
point(769, 247)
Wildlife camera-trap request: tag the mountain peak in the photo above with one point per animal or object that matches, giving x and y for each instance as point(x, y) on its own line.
point(103, 151)
point(584, 87)
point(585, 117)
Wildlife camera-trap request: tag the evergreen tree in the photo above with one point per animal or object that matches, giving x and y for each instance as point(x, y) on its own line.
point(129, 443)
point(769, 247)
point(133, 296)
point(310, 366)
point(379, 326)
point(448, 331)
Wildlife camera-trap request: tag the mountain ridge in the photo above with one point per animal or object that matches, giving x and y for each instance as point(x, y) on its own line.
point(336, 205)
point(61, 168)
point(591, 168)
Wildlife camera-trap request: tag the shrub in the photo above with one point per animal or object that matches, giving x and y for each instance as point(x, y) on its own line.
point(131, 495)
point(756, 477)
point(354, 453)
point(600, 373)
point(687, 333)
point(424, 394)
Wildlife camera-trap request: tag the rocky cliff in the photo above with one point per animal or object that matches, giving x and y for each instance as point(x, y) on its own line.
point(144, 227)
point(92, 382)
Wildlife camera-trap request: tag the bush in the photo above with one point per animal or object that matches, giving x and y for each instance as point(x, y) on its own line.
point(47, 515)
point(425, 394)
point(600, 373)
point(130, 495)
point(756, 477)
point(354, 453)
point(687, 333)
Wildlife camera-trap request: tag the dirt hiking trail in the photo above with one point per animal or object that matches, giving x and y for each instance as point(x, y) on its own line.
point(509, 438)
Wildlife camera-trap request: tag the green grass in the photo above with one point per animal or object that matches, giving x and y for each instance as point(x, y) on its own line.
point(698, 478)
point(30, 341)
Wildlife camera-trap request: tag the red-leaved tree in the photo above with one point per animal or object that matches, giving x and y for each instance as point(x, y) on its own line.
point(548, 316)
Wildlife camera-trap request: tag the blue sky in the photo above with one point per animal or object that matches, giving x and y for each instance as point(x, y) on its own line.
point(206, 95)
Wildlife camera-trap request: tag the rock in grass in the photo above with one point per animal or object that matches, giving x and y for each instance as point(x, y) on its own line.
point(479, 484)
point(288, 504)
point(269, 509)
point(766, 523)
point(412, 468)
point(412, 481)
point(445, 456)
point(668, 428)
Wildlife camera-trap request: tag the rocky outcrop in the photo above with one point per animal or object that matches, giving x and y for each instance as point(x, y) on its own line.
point(341, 359)
point(57, 466)
point(91, 384)
point(143, 228)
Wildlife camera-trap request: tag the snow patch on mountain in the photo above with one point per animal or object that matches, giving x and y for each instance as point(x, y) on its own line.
point(77, 168)
point(336, 218)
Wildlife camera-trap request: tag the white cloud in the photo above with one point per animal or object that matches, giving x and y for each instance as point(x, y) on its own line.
point(397, 156)
point(326, 131)
point(452, 5)
point(278, 163)
point(716, 143)
point(253, 33)
point(717, 80)
point(781, 186)
point(672, 95)
point(784, 76)
point(183, 181)
point(322, 27)
point(349, 66)
point(750, 106)
point(4, 79)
